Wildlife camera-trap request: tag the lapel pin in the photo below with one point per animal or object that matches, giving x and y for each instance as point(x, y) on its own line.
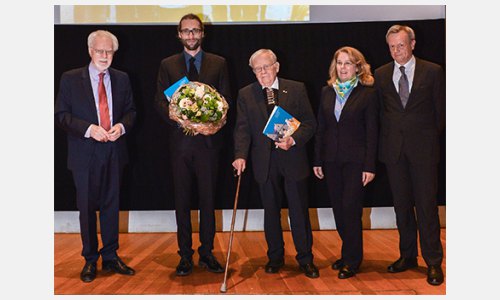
point(285, 91)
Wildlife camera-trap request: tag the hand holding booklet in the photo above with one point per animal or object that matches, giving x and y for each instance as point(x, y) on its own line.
point(280, 124)
point(171, 89)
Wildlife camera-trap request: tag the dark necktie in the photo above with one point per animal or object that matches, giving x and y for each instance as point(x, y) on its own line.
point(103, 104)
point(193, 72)
point(404, 87)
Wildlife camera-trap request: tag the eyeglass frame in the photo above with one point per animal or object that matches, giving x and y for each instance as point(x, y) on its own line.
point(102, 51)
point(258, 70)
point(194, 31)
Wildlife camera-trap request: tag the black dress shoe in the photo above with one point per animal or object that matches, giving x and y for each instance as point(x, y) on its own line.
point(435, 275)
point(347, 271)
point(185, 266)
point(118, 266)
point(402, 264)
point(310, 270)
point(89, 272)
point(338, 264)
point(210, 263)
point(273, 266)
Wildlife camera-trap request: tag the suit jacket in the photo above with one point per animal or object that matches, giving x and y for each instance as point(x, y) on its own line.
point(354, 137)
point(419, 124)
point(75, 111)
point(251, 118)
point(213, 72)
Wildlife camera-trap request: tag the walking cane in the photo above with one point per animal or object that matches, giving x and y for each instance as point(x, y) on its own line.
point(223, 287)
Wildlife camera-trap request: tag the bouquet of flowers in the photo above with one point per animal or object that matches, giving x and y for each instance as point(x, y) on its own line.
point(198, 108)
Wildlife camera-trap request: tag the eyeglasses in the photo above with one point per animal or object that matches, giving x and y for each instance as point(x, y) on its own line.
point(102, 51)
point(263, 68)
point(347, 64)
point(194, 31)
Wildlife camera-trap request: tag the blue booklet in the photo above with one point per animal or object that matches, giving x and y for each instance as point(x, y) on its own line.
point(280, 124)
point(171, 89)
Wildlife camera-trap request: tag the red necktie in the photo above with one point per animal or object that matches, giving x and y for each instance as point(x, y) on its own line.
point(103, 104)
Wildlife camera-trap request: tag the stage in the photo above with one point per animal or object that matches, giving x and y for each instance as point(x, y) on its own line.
point(154, 257)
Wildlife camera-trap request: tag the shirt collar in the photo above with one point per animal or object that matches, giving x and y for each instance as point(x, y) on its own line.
point(94, 72)
point(275, 84)
point(409, 64)
point(197, 56)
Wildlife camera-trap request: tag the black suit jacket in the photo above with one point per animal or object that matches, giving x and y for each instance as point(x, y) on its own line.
point(251, 118)
point(75, 111)
point(213, 72)
point(419, 124)
point(354, 137)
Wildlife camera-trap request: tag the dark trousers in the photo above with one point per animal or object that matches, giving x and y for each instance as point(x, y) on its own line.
point(414, 187)
point(195, 169)
point(346, 192)
point(296, 192)
point(98, 189)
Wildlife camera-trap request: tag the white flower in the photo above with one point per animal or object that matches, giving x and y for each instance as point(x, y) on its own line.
point(219, 105)
point(200, 91)
point(185, 102)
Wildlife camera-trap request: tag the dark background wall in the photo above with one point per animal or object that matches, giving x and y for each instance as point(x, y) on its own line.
point(304, 52)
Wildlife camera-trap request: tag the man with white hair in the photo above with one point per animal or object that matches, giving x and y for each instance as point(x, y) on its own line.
point(95, 107)
point(280, 166)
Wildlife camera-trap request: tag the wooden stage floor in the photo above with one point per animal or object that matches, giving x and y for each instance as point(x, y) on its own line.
point(154, 257)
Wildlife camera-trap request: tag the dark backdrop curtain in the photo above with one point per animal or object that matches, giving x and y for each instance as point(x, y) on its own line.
point(304, 52)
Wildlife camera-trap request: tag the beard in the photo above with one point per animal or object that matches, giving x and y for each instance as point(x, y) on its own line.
point(193, 46)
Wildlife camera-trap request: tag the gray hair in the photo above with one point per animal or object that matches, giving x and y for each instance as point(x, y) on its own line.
point(260, 52)
point(398, 28)
point(103, 33)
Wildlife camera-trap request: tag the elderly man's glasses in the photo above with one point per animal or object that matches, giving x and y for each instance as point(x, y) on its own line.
point(263, 68)
point(102, 51)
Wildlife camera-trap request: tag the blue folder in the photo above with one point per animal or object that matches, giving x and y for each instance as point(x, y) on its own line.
point(171, 89)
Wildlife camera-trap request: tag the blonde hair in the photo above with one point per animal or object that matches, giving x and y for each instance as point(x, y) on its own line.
point(364, 73)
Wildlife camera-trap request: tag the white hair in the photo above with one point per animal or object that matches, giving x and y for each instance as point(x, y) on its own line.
point(260, 52)
point(104, 33)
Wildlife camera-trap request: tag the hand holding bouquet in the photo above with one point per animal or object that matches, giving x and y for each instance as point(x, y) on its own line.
point(198, 108)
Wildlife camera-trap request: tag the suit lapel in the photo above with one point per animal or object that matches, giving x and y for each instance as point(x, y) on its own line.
point(89, 94)
point(282, 93)
point(393, 90)
point(329, 106)
point(418, 77)
point(181, 66)
point(114, 92)
point(261, 101)
point(205, 65)
point(351, 100)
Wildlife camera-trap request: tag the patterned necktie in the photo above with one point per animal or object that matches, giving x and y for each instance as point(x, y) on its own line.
point(193, 72)
point(271, 101)
point(404, 88)
point(270, 96)
point(103, 104)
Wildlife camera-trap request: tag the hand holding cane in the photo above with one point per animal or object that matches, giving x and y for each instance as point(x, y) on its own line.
point(223, 287)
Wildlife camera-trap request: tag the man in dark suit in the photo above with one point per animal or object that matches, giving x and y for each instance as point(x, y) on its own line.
point(194, 158)
point(278, 163)
point(412, 92)
point(95, 107)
